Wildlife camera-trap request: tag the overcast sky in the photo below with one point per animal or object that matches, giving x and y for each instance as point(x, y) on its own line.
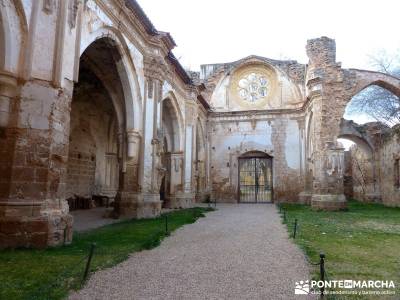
point(212, 31)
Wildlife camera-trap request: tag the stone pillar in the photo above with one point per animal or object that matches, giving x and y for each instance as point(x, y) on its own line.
point(323, 74)
point(176, 197)
point(189, 191)
point(34, 133)
point(151, 170)
point(306, 194)
point(128, 195)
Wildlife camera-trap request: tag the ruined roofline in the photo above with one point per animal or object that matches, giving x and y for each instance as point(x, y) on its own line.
point(207, 70)
point(262, 58)
point(143, 18)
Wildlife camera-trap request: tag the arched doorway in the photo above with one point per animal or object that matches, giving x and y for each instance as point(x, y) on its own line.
point(255, 178)
point(364, 129)
point(97, 145)
point(172, 154)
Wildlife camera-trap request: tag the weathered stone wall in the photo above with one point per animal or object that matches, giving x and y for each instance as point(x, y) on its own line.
point(34, 148)
point(233, 136)
point(43, 49)
point(284, 84)
point(372, 166)
point(389, 153)
point(362, 172)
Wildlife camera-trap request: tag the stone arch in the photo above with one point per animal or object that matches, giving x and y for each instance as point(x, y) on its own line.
point(119, 110)
point(361, 80)
point(103, 102)
point(349, 131)
point(255, 153)
point(127, 72)
point(255, 177)
point(365, 79)
point(361, 165)
point(12, 38)
point(171, 106)
point(281, 85)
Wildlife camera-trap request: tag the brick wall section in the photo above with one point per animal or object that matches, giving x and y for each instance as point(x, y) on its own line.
point(81, 173)
point(35, 147)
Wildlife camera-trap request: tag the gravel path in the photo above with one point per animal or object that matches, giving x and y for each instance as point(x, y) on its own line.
point(240, 251)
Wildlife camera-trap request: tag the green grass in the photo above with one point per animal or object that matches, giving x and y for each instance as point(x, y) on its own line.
point(361, 243)
point(51, 273)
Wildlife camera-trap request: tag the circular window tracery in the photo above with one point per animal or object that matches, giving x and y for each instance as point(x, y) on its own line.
point(252, 87)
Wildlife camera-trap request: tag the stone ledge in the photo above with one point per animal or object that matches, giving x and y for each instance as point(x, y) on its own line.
point(137, 205)
point(184, 200)
point(305, 198)
point(328, 202)
point(149, 209)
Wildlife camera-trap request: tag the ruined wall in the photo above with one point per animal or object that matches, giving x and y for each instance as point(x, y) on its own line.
point(255, 83)
point(278, 136)
point(257, 107)
point(389, 168)
point(362, 172)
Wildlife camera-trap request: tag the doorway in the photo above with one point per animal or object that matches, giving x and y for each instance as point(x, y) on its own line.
point(255, 178)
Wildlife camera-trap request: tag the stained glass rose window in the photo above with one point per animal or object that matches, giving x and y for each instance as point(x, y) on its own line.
point(252, 87)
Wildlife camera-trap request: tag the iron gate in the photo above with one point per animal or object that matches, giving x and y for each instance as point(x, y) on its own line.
point(255, 179)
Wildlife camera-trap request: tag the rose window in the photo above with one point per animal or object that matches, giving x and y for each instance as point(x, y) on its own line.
point(253, 87)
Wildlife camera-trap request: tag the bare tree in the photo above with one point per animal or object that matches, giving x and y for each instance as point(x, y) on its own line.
point(377, 102)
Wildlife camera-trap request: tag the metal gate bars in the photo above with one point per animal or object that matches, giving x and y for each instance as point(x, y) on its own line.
point(255, 179)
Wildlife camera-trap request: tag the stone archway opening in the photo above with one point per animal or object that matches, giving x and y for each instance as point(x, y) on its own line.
point(96, 141)
point(374, 103)
point(172, 155)
point(368, 115)
point(255, 178)
point(359, 172)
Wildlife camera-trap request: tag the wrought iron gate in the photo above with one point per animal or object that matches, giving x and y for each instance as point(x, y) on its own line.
point(255, 179)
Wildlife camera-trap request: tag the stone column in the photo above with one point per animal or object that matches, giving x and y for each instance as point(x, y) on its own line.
point(189, 191)
point(176, 197)
point(305, 195)
point(323, 82)
point(151, 170)
point(128, 194)
point(34, 133)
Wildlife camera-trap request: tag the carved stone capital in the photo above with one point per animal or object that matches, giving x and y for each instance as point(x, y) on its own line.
point(154, 68)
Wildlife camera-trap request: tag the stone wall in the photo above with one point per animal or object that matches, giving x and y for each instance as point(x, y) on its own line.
point(54, 143)
point(45, 158)
point(362, 174)
point(233, 136)
point(372, 165)
point(389, 173)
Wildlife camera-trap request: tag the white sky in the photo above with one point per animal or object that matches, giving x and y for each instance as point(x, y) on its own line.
point(212, 31)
